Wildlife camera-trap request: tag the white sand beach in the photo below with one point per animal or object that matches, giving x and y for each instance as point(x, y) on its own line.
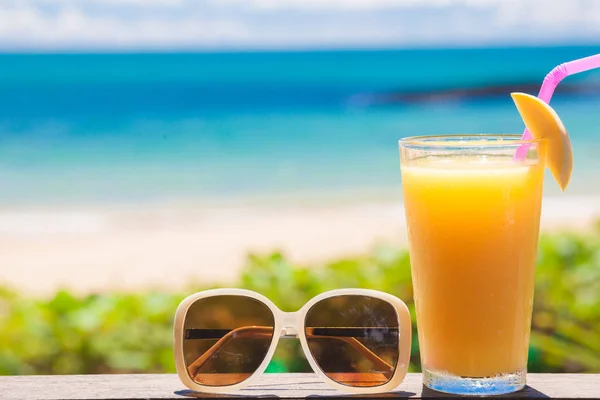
point(168, 246)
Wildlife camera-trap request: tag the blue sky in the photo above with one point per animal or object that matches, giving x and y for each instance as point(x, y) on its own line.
point(218, 24)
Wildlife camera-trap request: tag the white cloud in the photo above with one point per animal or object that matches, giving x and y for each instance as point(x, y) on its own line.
point(75, 3)
point(354, 4)
point(121, 24)
point(358, 5)
point(27, 27)
point(320, 5)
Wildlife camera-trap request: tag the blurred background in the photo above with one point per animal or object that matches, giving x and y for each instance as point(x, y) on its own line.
point(152, 148)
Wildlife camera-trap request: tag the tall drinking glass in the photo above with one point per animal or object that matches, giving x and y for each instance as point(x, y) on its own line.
point(473, 215)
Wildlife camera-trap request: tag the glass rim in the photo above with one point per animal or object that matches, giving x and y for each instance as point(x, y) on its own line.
point(468, 140)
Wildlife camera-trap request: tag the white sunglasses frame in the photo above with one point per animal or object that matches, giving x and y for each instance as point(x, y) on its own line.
point(294, 321)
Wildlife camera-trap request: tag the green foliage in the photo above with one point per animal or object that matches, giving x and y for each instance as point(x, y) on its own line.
point(120, 333)
point(93, 334)
point(566, 319)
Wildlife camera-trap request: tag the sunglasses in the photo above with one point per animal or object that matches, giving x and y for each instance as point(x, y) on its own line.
point(357, 340)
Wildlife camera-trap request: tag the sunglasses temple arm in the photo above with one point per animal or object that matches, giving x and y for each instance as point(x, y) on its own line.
point(357, 345)
point(252, 332)
point(266, 332)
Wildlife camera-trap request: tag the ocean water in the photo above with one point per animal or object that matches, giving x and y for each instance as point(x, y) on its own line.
point(131, 128)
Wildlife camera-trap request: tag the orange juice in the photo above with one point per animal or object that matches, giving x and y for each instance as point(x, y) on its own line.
point(473, 225)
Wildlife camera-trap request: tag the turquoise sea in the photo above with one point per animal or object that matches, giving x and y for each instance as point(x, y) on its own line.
point(101, 128)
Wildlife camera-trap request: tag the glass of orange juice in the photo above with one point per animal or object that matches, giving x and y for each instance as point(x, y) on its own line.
point(473, 215)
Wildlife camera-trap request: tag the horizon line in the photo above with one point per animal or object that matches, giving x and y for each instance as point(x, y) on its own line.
point(290, 49)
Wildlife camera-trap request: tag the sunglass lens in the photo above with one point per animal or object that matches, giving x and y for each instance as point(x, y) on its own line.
point(226, 339)
point(354, 339)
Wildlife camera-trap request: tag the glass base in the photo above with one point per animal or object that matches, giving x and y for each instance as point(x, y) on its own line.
point(499, 384)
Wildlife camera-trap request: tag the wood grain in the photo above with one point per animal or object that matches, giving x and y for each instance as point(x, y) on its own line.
point(288, 386)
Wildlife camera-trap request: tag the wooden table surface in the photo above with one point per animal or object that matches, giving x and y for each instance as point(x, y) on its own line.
point(293, 386)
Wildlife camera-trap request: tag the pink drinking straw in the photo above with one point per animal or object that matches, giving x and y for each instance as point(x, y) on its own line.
point(550, 83)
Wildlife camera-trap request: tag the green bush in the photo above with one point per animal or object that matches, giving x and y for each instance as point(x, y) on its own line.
point(125, 333)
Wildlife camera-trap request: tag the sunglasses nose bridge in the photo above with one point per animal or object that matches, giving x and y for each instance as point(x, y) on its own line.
point(290, 324)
